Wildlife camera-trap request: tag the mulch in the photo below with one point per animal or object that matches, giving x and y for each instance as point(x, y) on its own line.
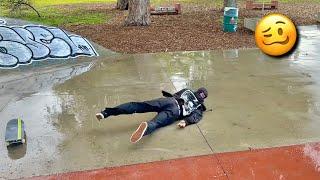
point(197, 28)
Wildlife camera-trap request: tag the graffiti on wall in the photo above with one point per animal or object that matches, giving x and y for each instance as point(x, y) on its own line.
point(22, 45)
point(2, 22)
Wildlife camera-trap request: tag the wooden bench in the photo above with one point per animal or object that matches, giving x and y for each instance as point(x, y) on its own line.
point(261, 5)
point(173, 10)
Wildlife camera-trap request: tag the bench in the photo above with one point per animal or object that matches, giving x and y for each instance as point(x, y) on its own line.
point(251, 5)
point(173, 10)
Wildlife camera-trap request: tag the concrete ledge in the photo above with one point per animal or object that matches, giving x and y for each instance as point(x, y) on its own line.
point(250, 23)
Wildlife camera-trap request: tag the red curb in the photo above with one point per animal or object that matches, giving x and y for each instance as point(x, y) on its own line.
point(186, 168)
point(291, 162)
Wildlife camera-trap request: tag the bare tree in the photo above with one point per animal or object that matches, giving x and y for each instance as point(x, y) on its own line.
point(16, 5)
point(139, 13)
point(225, 3)
point(229, 3)
point(123, 4)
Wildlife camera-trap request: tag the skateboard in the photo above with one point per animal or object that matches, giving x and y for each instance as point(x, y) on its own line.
point(15, 133)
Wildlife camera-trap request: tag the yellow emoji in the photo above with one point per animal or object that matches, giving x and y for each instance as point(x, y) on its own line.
point(275, 34)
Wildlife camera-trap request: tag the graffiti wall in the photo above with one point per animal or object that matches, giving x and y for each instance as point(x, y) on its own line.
point(22, 45)
point(2, 22)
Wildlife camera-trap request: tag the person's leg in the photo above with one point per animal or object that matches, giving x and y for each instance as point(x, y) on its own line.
point(155, 105)
point(162, 119)
point(129, 108)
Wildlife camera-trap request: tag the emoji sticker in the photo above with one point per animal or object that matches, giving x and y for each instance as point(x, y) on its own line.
point(275, 34)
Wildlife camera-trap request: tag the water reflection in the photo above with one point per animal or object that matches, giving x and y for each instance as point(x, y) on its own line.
point(191, 69)
point(38, 106)
point(17, 151)
point(308, 48)
point(188, 69)
point(231, 54)
point(40, 81)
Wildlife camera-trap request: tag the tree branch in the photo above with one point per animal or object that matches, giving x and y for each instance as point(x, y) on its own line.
point(22, 3)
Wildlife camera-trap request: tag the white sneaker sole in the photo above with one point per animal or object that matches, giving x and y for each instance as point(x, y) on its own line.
point(139, 132)
point(99, 116)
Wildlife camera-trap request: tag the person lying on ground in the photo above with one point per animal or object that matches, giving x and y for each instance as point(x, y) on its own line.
point(185, 105)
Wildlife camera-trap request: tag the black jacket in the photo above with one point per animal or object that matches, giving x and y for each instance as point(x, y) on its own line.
point(195, 116)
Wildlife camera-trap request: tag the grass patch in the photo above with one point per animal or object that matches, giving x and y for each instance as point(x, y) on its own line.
point(41, 3)
point(56, 17)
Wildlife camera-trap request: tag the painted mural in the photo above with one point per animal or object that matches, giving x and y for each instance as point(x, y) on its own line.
point(2, 22)
point(22, 45)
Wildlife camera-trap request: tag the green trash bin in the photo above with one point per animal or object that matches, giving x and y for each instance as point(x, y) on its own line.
point(230, 19)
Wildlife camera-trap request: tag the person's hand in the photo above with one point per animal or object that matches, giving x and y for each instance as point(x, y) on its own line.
point(182, 124)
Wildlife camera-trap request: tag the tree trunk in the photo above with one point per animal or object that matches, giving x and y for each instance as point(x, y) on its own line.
point(225, 3)
point(139, 13)
point(229, 3)
point(123, 4)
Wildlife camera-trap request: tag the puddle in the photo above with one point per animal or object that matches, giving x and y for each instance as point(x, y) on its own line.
point(257, 101)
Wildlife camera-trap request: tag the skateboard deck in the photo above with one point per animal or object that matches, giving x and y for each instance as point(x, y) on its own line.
point(15, 133)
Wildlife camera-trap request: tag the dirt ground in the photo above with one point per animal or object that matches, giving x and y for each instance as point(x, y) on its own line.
point(197, 28)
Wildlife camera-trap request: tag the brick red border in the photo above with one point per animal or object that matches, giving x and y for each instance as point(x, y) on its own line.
point(289, 162)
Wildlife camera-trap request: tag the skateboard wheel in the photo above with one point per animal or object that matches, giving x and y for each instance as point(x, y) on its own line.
point(23, 141)
point(7, 143)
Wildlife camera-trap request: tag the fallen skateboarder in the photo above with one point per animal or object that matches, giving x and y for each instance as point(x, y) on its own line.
point(184, 105)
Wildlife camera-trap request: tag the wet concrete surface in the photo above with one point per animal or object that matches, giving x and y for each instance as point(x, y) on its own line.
point(257, 102)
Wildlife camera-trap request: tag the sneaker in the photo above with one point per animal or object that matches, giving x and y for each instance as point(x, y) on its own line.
point(99, 116)
point(138, 134)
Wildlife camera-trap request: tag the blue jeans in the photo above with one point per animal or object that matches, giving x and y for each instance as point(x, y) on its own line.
point(167, 109)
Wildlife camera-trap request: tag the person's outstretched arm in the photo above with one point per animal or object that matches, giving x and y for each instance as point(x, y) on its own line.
point(193, 118)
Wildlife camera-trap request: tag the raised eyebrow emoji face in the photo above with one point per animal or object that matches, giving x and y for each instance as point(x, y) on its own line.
point(275, 34)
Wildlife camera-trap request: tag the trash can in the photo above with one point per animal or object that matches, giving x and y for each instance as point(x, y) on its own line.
point(230, 19)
